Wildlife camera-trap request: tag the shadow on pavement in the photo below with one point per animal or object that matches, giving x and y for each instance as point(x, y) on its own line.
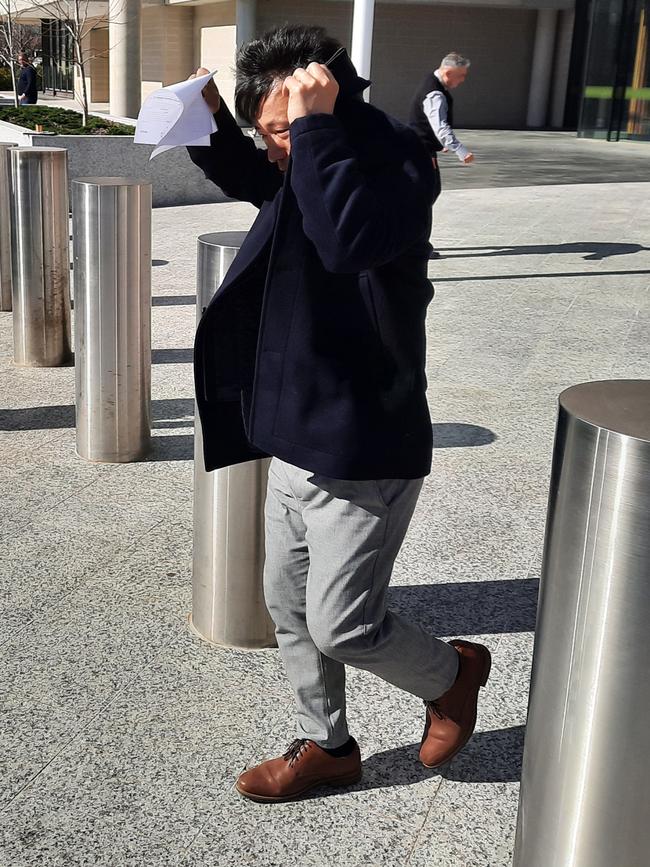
point(490, 757)
point(594, 250)
point(469, 607)
point(172, 300)
point(179, 447)
point(63, 415)
point(537, 275)
point(172, 356)
point(452, 435)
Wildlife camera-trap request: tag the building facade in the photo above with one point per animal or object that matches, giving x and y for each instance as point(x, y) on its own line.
point(535, 63)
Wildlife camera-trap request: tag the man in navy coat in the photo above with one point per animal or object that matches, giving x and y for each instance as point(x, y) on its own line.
point(312, 351)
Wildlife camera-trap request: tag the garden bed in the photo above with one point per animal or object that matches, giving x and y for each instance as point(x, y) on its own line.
point(62, 121)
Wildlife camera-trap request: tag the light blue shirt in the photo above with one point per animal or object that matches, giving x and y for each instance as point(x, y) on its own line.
point(435, 108)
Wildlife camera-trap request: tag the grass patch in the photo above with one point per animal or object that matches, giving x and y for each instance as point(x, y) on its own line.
point(62, 121)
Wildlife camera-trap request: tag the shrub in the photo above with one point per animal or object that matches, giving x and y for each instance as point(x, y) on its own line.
point(5, 78)
point(63, 121)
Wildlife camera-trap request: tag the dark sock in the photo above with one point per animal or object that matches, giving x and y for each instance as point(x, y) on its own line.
point(343, 750)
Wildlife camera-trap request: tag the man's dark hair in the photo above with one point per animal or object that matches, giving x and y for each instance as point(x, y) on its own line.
point(273, 57)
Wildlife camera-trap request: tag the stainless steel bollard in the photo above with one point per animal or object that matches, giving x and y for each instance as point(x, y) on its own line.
point(40, 253)
point(585, 788)
point(5, 226)
point(112, 305)
point(227, 597)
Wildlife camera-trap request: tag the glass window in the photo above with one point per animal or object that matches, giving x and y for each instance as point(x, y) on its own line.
point(58, 71)
point(616, 95)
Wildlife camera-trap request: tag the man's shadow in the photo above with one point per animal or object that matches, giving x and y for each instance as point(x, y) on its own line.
point(490, 757)
point(594, 250)
point(469, 607)
point(493, 756)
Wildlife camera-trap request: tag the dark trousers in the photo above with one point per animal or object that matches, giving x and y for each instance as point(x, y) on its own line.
point(438, 179)
point(437, 185)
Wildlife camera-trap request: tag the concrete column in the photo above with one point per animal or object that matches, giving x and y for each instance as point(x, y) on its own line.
point(124, 39)
point(542, 67)
point(562, 62)
point(245, 20)
point(362, 24)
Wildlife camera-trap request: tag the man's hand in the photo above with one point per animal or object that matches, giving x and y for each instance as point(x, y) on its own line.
point(210, 92)
point(468, 159)
point(311, 91)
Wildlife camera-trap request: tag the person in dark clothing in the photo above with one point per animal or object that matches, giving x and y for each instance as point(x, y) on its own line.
point(432, 114)
point(312, 351)
point(27, 84)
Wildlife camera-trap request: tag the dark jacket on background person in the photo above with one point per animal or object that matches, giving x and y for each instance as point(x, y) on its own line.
point(418, 119)
point(313, 348)
point(27, 84)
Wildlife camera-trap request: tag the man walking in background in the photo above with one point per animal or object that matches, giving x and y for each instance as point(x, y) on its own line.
point(27, 85)
point(432, 114)
point(312, 350)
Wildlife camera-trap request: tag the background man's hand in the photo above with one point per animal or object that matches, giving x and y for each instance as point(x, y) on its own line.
point(210, 92)
point(469, 159)
point(311, 91)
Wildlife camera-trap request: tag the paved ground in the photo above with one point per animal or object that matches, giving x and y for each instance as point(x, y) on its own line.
point(122, 732)
point(530, 158)
point(522, 158)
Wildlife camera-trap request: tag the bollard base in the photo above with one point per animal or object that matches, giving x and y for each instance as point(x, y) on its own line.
point(66, 361)
point(263, 644)
point(134, 458)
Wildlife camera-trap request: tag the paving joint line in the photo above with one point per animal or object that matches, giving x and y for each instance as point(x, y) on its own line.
point(79, 731)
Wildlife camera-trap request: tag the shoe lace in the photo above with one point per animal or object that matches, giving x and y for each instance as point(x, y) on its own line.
point(435, 709)
point(295, 751)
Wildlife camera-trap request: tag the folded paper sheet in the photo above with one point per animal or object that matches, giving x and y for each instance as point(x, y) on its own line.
point(176, 115)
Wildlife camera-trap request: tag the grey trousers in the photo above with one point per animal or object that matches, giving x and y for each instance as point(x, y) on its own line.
point(330, 549)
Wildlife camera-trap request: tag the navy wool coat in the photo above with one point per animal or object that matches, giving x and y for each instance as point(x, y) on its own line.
point(313, 348)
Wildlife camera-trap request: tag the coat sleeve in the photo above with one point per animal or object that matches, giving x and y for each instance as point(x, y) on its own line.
point(235, 164)
point(357, 219)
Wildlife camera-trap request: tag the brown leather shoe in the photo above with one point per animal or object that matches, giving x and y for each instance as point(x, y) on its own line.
point(451, 718)
point(303, 767)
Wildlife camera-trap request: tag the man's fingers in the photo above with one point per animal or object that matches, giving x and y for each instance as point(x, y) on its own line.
point(304, 77)
point(292, 84)
point(320, 72)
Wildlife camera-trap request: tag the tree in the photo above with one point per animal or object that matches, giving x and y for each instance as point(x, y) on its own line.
point(79, 18)
point(75, 17)
point(15, 37)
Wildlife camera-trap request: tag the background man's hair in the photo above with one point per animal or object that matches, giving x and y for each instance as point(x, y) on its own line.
point(273, 57)
point(454, 60)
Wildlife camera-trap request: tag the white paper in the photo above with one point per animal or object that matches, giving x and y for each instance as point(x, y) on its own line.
point(176, 115)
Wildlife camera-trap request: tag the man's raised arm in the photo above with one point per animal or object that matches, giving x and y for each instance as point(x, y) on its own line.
point(233, 162)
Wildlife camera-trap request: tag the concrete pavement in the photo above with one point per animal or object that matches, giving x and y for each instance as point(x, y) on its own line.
point(123, 733)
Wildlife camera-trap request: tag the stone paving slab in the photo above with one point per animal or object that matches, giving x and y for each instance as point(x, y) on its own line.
point(122, 733)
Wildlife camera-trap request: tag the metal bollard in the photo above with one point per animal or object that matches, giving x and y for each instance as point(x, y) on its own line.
point(40, 254)
point(112, 305)
point(227, 596)
point(586, 774)
point(5, 226)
